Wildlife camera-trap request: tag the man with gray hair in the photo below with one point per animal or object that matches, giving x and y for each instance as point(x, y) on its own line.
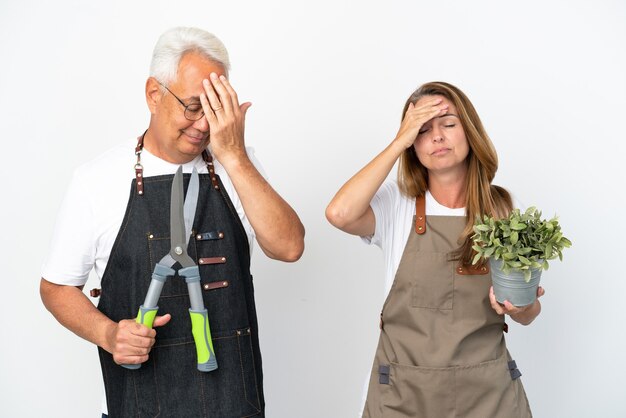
point(149, 367)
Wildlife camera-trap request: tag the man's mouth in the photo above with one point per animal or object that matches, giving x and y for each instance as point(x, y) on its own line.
point(196, 137)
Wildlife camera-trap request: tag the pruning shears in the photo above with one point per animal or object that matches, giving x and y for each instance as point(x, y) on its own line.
point(181, 222)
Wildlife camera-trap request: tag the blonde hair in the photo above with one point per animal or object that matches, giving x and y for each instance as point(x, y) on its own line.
point(482, 162)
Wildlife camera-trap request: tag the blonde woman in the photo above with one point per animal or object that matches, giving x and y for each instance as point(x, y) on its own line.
point(441, 351)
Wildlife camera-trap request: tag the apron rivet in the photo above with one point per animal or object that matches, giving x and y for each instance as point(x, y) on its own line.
point(178, 250)
point(150, 236)
point(198, 236)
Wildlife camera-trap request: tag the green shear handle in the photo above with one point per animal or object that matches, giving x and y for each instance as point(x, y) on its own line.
point(147, 311)
point(199, 320)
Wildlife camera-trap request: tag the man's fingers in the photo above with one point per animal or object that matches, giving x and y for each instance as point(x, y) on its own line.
point(129, 359)
point(231, 91)
point(225, 99)
point(244, 108)
point(214, 101)
point(159, 321)
point(206, 107)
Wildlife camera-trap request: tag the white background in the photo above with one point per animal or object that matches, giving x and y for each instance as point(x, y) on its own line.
point(328, 82)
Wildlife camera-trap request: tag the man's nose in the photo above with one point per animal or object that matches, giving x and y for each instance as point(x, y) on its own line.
point(201, 124)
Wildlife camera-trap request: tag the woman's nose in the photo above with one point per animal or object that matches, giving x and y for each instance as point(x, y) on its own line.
point(437, 135)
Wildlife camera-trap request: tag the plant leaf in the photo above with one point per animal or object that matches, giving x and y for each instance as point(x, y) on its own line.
point(518, 227)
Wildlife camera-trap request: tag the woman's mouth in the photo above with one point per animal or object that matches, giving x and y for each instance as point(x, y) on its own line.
point(440, 151)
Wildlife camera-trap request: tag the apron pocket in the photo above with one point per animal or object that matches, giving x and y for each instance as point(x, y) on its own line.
point(231, 390)
point(433, 286)
point(168, 383)
point(487, 390)
point(418, 392)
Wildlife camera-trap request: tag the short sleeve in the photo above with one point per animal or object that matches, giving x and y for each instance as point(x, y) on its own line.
point(382, 205)
point(72, 251)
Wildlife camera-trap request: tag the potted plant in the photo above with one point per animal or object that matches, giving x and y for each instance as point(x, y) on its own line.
point(518, 249)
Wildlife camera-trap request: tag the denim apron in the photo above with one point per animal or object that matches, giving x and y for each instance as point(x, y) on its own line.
point(169, 384)
point(441, 351)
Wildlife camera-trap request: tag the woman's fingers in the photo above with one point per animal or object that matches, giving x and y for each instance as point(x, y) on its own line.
point(540, 291)
point(417, 115)
point(494, 303)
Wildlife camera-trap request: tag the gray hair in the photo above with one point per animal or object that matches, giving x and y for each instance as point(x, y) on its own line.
point(176, 42)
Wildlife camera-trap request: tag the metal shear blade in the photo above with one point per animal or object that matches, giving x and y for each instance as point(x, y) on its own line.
point(182, 216)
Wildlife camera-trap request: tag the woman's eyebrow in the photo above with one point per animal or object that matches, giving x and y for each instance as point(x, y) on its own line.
point(448, 114)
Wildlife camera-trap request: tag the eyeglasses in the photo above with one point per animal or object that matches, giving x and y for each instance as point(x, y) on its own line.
point(193, 111)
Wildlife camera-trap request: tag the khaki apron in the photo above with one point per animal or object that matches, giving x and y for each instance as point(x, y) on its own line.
point(441, 352)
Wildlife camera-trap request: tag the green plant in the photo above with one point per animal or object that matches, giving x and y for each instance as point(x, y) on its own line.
point(523, 241)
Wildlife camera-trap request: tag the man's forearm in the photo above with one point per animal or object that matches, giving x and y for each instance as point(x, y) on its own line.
point(278, 229)
point(75, 312)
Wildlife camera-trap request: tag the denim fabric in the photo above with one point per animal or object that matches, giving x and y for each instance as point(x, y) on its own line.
point(169, 384)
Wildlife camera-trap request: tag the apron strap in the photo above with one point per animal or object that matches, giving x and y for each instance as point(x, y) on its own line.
point(208, 159)
point(420, 229)
point(138, 166)
point(420, 214)
point(471, 270)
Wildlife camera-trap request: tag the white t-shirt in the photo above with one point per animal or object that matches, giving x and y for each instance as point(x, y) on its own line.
point(94, 206)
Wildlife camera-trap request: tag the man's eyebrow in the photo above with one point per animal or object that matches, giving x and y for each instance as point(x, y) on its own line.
point(191, 99)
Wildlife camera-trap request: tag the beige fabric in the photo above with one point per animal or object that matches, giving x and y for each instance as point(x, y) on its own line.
point(441, 339)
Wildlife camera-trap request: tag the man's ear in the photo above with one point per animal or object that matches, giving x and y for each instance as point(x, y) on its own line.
point(153, 94)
